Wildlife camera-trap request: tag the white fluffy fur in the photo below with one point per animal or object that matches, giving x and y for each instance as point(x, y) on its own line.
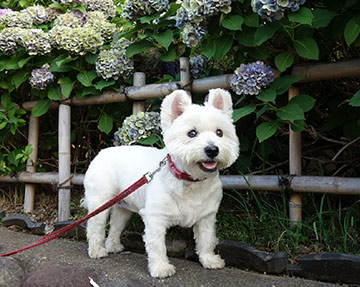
point(166, 201)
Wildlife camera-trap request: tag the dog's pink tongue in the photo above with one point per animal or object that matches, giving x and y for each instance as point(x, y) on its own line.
point(209, 164)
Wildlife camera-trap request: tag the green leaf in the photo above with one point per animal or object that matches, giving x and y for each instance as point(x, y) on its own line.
point(352, 30)
point(245, 38)
point(66, 89)
point(164, 39)
point(305, 102)
point(251, 20)
point(169, 56)
point(223, 46)
point(103, 84)
point(40, 108)
point(5, 100)
point(264, 33)
point(105, 123)
point(148, 19)
point(150, 140)
point(302, 16)
point(11, 63)
point(137, 47)
point(266, 130)
point(290, 112)
point(297, 126)
point(209, 49)
point(307, 48)
point(355, 100)
point(281, 84)
point(233, 22)
point(87, 91)
point(19, 78)
point(22, 62)
point(267, 95)
point(86, 78)
point(242, 112)
point(91, 58)
point(322, 17)
point(284, 61)
point(54, 93)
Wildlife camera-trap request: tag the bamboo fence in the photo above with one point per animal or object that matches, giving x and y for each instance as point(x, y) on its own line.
point(296, 183)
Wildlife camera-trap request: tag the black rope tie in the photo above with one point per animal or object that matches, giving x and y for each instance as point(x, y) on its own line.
point(184, 87)
point(285, 182)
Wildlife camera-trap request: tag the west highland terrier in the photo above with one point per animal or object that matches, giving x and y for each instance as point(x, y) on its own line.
point(200, 140)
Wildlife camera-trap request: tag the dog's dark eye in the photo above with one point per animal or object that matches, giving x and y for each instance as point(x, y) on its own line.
point(192, 133)
point(219, 133)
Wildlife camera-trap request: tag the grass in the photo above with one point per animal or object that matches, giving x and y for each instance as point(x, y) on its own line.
point(330, 223)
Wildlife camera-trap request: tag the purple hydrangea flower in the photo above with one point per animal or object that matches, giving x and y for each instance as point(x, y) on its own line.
point(198, 65)
point(41, 78)
point(4, 11)
point(273, 10)
point(251, 78)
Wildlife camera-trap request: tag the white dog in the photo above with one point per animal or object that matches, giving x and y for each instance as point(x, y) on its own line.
point(200, 140)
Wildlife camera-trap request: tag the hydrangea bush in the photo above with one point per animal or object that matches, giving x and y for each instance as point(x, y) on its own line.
point(137, 127)
point(77, 48)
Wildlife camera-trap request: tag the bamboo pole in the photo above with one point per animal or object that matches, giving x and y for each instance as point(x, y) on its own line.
point(185, 74)
point(299, 184)
point(309, 73)
point(328, 71)
point(64, 162)
point(138, 81)
point(295, 201)
point(33, 139)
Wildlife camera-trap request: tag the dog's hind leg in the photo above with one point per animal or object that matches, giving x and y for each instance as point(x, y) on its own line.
point(118, 218)
point(95, 232)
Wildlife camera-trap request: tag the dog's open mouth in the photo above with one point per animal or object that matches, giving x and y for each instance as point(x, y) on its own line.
point(208, 166)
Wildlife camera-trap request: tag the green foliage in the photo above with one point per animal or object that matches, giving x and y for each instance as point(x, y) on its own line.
point(330, 224)
point(324, 31)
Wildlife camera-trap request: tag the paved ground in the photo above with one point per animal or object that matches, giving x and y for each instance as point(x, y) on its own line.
point(134, 266)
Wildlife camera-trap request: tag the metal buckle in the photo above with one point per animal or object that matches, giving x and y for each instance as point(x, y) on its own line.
point(150, 175)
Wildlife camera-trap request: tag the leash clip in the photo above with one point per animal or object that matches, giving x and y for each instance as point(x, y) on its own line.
point(150, 175)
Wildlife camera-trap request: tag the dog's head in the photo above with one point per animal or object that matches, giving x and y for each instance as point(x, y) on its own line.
point(201, 139)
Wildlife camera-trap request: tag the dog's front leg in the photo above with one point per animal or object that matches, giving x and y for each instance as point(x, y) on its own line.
point(205, 238)
point(154, 238)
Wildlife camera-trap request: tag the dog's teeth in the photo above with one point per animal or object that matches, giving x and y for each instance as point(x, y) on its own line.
point(209, 164)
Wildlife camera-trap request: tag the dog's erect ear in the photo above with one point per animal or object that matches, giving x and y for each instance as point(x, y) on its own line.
point(173, 106)
point(220, 99)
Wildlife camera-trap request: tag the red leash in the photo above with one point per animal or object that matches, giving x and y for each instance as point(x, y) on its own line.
point(146, 178)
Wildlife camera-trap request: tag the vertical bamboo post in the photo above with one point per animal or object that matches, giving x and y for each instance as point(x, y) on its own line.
point(33, 139)
point(139, 80)
point(185, 73)
point(64, 162)
point(295, 202)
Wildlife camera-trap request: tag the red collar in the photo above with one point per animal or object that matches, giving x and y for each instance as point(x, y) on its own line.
point(177, 173)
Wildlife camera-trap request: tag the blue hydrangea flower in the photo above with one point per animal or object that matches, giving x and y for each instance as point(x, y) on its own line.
point(198, 65)
point(137, 127)
point(41, 78)
point(273, 10)
point(251, 78)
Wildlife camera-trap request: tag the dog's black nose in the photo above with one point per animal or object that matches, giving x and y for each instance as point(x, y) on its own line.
point(212, 151)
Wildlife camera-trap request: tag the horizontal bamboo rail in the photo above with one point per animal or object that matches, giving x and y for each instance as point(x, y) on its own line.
point(309, 73)
point(316, 184)
point(328, 71)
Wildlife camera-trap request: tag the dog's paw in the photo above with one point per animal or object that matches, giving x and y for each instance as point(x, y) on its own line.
point(212, 261)
point(161, 270)
point(97, 252)
point(114, 247)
